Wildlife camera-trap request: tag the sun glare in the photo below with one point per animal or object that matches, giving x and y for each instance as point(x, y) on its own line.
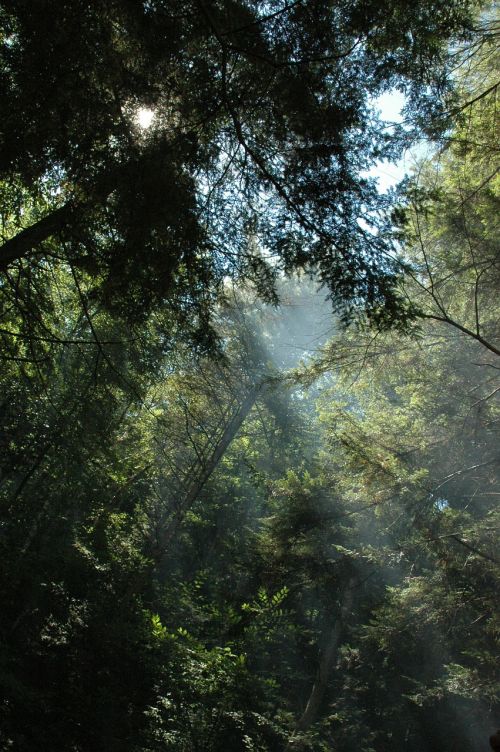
point(144, 118)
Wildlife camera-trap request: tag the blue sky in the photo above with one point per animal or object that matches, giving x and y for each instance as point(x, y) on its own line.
point(388, 174)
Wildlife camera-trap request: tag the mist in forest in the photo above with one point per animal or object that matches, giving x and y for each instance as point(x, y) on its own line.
point(295, 328)
point(249, 398)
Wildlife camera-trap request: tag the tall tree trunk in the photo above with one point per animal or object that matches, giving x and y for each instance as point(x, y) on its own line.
point(327, 660)
point(207, 469)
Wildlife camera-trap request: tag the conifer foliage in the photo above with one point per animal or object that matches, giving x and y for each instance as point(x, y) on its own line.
point(262, 124)
point(213, 537)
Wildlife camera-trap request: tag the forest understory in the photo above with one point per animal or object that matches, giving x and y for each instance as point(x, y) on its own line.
point(249, 403)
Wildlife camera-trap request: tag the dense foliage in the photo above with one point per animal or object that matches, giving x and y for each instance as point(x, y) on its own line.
point(211, 537)
point(263, 123)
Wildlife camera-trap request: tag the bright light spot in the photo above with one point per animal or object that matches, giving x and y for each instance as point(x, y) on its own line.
point(144, 118)
point(390, 105)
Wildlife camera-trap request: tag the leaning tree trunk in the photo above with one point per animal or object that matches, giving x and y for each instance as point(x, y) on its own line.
point(65, 219)
point(200, 479)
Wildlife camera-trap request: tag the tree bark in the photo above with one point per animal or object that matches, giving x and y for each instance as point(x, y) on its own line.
point(25, 242)
point(325, 667)
point(198, 483)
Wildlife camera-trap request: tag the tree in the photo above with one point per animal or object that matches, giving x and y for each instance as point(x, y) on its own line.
point(195, 557)
point(449, 225)
point(262, 123)
point(410, 424)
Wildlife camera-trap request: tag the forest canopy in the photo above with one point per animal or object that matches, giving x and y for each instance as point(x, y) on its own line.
point(262, 126)
point(248, 403)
